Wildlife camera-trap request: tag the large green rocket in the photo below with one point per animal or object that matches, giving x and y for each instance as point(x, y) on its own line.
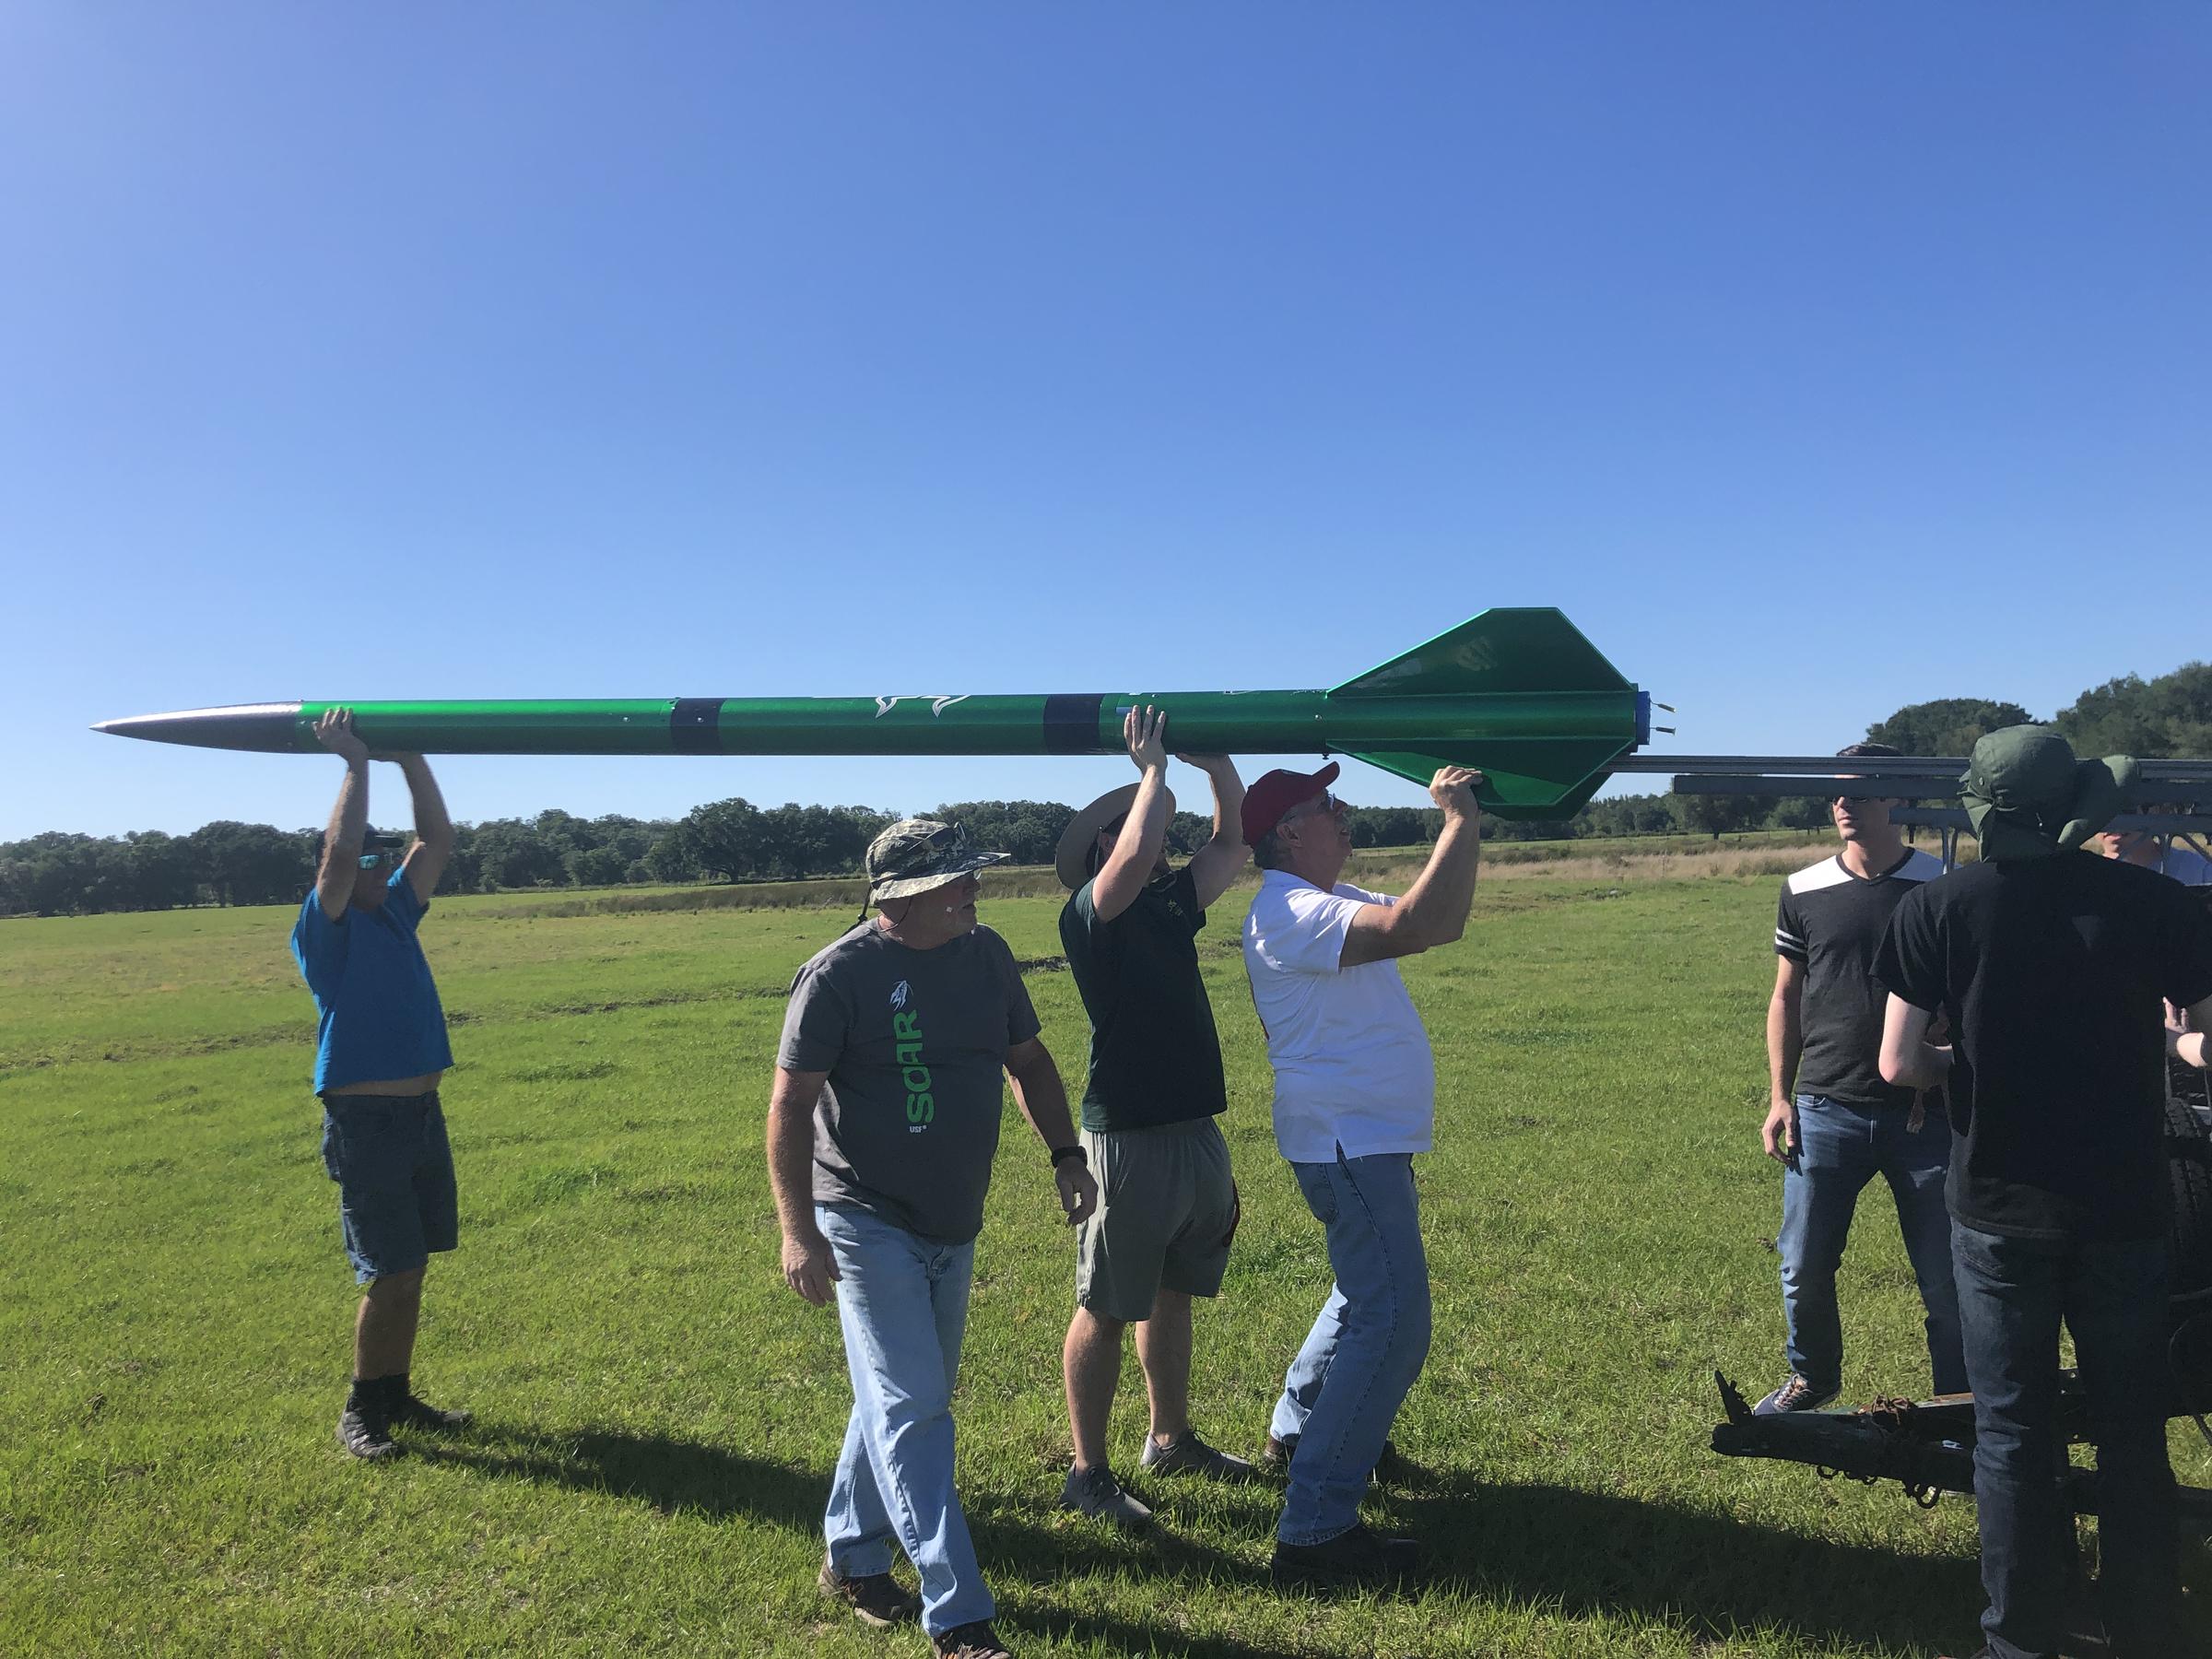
point(1517, 692)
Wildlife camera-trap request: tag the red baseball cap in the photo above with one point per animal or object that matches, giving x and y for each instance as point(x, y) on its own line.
point(1274, 794)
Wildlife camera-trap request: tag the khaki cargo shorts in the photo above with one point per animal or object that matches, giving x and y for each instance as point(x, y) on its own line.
point(1167, 1210)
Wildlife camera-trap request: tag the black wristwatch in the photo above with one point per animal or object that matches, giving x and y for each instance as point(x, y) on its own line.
point(1062, 1154)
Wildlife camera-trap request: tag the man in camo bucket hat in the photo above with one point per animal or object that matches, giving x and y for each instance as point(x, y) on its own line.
point(916, 854)
point(882, 1124)
point(2055, 968)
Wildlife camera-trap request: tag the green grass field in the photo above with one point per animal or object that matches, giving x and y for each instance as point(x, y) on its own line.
point(657, 1415)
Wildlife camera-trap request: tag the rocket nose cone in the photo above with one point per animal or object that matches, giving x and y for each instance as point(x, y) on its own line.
point(265, 727)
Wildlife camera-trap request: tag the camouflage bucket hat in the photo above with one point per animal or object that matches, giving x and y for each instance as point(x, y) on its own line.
point(915, 855)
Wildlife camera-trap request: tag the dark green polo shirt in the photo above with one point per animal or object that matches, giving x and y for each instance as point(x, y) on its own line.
point(1155, 1058)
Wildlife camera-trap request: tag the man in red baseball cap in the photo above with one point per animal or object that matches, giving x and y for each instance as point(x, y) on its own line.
point(1354, 1097)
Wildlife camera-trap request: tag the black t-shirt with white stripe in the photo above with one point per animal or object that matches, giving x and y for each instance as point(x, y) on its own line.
point(1831, 921)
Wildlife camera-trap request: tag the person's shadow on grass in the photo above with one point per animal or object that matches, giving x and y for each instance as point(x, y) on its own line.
point(674, 1476)
point(1585, 1553)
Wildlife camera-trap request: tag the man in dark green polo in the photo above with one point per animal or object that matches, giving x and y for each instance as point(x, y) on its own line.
point(1167, 1205)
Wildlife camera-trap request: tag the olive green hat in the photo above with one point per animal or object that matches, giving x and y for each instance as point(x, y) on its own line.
point(2027, 795)
point(915, 855)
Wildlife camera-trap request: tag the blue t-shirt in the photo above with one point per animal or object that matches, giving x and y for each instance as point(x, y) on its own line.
point(378, 1007)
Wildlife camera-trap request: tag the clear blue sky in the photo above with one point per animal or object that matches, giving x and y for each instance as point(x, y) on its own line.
point(1814, 359)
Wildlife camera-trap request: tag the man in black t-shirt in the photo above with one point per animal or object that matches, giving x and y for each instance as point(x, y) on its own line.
point(1167, 1203)
point(1833, 1124)
point(2053, 967)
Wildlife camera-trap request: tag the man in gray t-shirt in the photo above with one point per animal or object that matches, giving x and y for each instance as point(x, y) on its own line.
point(881, 1129)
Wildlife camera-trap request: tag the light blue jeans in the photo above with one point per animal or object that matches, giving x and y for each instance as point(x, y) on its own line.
point(902, 1302)
point(1364, 1351)
point(1842, 1148)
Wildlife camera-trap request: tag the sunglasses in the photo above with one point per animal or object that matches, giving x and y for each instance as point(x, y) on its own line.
point(1327, 803)
point(377, 860)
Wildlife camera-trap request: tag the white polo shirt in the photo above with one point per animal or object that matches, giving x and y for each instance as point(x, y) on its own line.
point(1352, 1066)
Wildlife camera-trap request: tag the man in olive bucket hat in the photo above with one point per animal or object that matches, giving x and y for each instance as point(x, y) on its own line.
point(1167, 1202)
point(882, 1124)
point(2054, 966)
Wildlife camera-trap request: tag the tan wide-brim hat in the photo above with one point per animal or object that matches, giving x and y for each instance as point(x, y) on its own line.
point(1072, 860)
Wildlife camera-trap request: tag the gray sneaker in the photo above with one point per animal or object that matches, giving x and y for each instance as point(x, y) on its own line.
point(1187, 1454)
point(1094, 1491)
point(1796, 1394)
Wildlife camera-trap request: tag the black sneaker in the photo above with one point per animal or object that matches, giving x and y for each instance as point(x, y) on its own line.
point(1275, 1459)
point(1350, 1558)
point(874, 1597)
point(363, 1431)
point(1095, 1492)
point(977, 1641)
point(1796, 1394)
point(415, 1412)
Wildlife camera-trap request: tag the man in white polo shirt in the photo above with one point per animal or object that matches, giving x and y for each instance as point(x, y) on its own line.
point(1355, 1098)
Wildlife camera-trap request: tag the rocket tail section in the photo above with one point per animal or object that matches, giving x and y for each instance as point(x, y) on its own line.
point(1501, 652)
point(1507, 648)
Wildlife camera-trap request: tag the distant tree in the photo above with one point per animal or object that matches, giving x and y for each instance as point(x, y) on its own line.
point(1717, 814)
point(674, 855)
point(160, 871)
point(596, 866)
point(510, 854)
point(251, 863)
point(2169, 717)
point(1948, 726)
point(726, 837)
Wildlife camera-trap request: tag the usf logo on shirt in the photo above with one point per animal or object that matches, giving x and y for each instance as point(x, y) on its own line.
point(920, 1106)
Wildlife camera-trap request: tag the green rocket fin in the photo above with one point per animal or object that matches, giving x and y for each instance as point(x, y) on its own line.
point(1507, 648)
point(1521, 778)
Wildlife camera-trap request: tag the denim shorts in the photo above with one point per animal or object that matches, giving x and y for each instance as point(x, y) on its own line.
point(395, 1171)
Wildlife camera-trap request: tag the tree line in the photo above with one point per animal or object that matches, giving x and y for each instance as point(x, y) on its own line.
point(229, 863)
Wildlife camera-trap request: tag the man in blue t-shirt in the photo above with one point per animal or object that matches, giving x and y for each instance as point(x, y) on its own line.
point(380, 1051)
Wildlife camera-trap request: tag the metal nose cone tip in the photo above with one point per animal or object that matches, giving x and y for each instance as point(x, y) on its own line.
point(267, 728)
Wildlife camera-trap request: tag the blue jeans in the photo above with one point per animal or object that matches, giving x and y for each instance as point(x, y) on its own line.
point(2012, 1293)
point(902, 1302)
point(1366, 1348)
point(1840, 1148)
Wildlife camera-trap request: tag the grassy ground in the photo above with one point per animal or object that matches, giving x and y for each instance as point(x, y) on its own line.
point(658, 1415)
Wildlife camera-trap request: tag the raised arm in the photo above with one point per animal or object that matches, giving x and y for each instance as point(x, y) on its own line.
point(1786, 1042)
point(1044, 1101)
point(1434, 910)
point(809, 1266)
point(433, 830)
point(1144, 829)
point(1909, 1059)
point(1216, 864)
point(348, 818)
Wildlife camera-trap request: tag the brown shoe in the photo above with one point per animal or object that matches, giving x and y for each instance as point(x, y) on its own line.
point(977, 1641)
point(874, 1598)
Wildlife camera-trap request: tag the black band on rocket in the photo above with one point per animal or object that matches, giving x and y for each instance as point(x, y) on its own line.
point(1071, 723)
point(694, 726)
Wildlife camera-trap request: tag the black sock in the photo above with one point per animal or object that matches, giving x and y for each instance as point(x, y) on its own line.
point(366, 1391)
point(396, 1390)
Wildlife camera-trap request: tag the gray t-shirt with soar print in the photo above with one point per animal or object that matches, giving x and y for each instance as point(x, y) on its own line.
point(914, 1043)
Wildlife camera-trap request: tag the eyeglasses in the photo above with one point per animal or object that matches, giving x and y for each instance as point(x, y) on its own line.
point(377, 860)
